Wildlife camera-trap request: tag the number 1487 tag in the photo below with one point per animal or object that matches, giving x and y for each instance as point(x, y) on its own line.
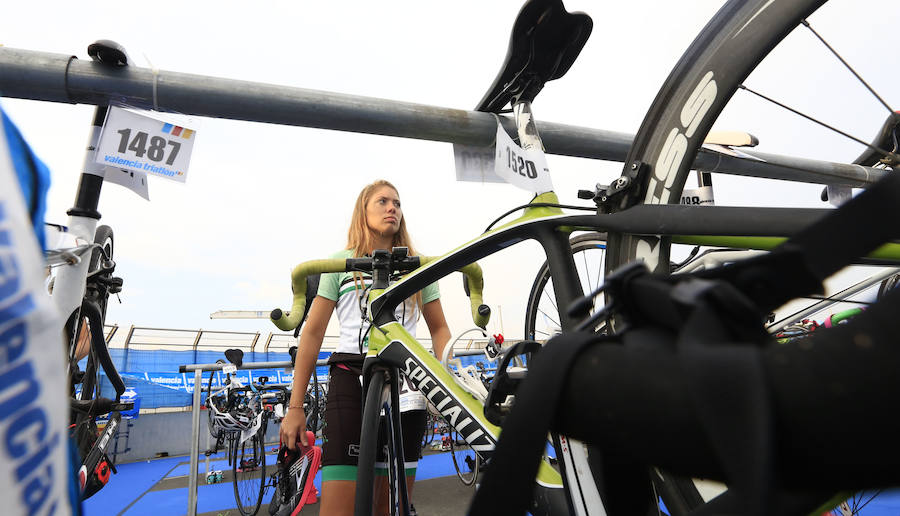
point(134, 141)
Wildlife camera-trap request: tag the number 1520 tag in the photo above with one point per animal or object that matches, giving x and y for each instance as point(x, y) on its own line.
point(526, 169)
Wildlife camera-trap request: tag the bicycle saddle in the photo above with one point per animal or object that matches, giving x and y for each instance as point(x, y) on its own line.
point(235, 356)
point(99, 406)
point(888, 139)
point(544, 43)
point(108, 52)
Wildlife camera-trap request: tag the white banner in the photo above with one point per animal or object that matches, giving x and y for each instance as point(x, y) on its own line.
point(34, 459)
point(526, 169)
point(137, 141)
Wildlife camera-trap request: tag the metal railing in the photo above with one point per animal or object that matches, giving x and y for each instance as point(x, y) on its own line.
point(198, 370)
point(179, 339)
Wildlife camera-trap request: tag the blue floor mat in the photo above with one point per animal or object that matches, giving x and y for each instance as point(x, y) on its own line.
point(129, 490)
point(132, 480)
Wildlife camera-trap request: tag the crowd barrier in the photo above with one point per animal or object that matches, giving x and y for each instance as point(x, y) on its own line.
point(148, 360)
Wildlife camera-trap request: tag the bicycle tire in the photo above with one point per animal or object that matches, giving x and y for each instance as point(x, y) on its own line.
point(430, 428)
point(396, 466)
point(706, 77)
point(368, 446)
point(103, 237)
point(663, 151)
point(542, 320)
point(249, 470)
point(466, 460)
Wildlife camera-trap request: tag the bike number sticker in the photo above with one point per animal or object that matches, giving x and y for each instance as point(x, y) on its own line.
point(475, 164)
point(139, 142)
point(526, 169)
point(702, 196)
point(410, 397)
point(229, 369)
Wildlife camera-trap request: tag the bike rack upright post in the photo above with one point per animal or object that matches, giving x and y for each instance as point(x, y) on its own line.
point(198, 370)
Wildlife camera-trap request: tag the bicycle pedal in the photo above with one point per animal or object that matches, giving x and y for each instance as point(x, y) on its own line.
point(122, 406)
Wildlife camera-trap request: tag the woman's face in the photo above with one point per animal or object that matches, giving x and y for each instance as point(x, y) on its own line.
point(383, 213)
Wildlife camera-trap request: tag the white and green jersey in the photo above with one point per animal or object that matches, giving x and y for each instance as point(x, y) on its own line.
point(348, 294)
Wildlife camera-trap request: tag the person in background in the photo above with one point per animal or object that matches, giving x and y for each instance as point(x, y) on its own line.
point(377, 223)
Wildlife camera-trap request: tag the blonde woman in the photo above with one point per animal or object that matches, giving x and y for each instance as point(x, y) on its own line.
point(377, 223)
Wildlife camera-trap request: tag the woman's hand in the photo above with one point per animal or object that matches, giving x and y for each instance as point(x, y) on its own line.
point(293, 428)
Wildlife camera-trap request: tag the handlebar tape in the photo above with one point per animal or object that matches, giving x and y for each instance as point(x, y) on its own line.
point(287, 321)
point(475, 281)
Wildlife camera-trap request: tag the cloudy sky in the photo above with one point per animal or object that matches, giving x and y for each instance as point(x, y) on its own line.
point(261, 198)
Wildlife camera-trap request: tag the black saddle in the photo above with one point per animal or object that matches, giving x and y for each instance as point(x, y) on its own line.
point(235, 356)
point(108, 52)
point(544, 43)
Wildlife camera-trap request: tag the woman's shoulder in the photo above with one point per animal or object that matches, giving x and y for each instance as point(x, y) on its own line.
point(344, 253)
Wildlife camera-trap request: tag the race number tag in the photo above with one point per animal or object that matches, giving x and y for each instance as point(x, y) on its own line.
point(526, 169)
point(475, 164)
point(702, 196)
point(229, 369)
point(411, 398)
point(139, 142)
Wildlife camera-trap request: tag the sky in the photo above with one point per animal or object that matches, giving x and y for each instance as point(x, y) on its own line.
point(262, 198)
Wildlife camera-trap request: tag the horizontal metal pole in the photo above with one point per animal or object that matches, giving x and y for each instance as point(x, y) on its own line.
point(678, 219)
point(250, 365)
point(51, 77)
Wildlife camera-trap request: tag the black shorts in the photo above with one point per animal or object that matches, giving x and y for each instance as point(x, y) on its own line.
point(343, 421)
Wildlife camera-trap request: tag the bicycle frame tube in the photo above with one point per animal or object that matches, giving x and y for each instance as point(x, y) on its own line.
point(69, 285)
point(738, 227)
point(761, 228)
point(391, 344)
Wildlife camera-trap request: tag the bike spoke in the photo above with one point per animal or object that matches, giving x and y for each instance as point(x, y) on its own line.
point(552, 299)
point(862, 504)
point(554, 321)
point(823, 124)
point(847, 65)
point(587, 272)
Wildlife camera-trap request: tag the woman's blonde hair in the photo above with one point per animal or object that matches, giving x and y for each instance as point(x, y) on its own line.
point(360, 237)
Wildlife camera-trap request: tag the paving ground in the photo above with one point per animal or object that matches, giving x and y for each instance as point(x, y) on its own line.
point(160, 488)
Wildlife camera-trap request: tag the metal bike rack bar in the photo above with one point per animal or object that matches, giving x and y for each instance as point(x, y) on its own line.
point(837, 297)
point(198, 370)
point(51, 77)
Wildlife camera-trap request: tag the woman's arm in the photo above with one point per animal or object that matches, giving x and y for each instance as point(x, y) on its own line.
point(293, 426)
point(437, 326)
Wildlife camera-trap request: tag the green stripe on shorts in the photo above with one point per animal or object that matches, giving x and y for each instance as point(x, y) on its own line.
point(338, 472)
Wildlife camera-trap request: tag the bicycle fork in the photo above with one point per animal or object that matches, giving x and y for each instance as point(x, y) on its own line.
point(581, 489)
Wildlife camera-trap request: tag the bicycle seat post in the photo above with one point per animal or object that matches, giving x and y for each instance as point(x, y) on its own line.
point(528, 134)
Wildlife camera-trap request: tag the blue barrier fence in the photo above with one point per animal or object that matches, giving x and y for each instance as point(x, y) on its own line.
point(153, 375)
